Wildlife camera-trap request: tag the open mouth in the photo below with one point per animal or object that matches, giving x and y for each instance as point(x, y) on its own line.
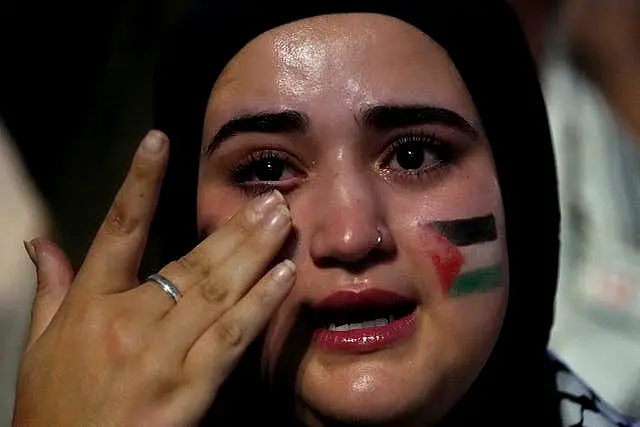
point(365, 317)
point(363, 322)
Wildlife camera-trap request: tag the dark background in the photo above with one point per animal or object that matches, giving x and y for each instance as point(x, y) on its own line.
point(75, 94)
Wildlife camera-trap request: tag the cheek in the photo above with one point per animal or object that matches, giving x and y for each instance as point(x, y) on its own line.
point(466, 254)
point(462, 267)
point(456, 238)
point(470, 326)
point(456, 258)
point(215, 207)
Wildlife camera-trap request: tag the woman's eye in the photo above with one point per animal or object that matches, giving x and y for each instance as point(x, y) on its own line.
point(268, 169)
point(264, 167)
point(413, 156)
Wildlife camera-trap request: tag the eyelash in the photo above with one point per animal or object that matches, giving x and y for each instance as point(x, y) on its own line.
point(444, 152)
point(241, 172)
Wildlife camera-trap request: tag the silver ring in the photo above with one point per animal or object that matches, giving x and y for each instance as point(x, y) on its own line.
point(166, 285)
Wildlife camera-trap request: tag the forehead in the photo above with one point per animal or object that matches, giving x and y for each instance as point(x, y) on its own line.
point(338, 62)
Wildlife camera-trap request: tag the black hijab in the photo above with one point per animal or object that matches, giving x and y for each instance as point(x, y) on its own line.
point(486, 44)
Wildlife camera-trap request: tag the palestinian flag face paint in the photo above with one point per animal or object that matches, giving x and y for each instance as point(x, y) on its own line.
point(466, 254)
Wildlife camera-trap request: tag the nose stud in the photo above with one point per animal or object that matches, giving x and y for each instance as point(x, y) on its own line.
point(379, 239)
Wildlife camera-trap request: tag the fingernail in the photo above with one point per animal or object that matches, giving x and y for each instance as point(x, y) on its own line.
point(153, 142)
point(31, 251)
point(278, 218)
point(284, 271)
point(264, 205)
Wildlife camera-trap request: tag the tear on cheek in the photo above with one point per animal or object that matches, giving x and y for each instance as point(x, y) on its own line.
point(465, 253)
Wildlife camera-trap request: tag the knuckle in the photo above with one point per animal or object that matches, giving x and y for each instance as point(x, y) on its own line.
point(119, 220)
point(110, 327)
point(214, 293)
point(191, 265)
point(119, 341)
point(229, 333)
point(165, 376)
point(264, 294)
point(243, 224)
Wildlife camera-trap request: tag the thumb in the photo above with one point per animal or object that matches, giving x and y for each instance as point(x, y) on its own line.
point(54, 274)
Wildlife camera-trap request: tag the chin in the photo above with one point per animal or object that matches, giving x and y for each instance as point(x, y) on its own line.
point(373, 390)
point(417, 376)
point(413, 383)
point(352, 406)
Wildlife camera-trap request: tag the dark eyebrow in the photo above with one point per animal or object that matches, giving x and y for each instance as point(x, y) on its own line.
point(388, 117)
point(287, 121)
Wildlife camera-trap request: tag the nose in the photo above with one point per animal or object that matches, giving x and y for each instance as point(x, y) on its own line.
point(350, 224)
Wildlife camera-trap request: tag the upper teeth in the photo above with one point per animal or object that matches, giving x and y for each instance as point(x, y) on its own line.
point(383, 321)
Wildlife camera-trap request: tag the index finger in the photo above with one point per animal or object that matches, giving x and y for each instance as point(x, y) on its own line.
point(114, 257)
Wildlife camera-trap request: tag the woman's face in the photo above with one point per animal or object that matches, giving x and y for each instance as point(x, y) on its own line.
point(366, 127)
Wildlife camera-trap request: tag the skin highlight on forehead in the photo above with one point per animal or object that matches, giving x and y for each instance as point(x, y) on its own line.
point(298, 56)
point(302, 49)
point(302, 63)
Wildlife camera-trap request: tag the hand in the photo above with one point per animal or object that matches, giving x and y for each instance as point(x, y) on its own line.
point(106, 351)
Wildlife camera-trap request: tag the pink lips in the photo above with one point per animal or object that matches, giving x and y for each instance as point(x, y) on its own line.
point(368, 339)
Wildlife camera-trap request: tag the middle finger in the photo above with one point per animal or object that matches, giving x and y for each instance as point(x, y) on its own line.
point(204, 303)
point(198, 264)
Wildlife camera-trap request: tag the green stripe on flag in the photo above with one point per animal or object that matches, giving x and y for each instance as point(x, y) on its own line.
point(480, 280)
